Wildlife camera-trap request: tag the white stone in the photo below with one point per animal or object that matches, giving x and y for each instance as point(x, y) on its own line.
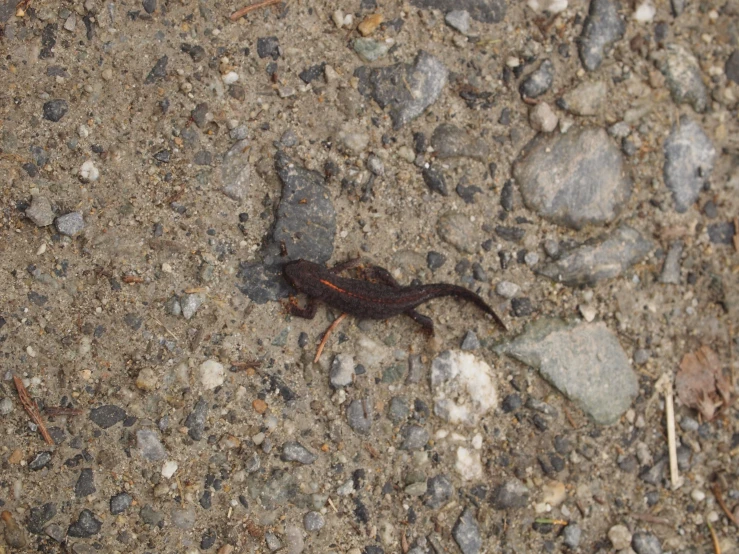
point(551, 6)
point(542, 118)
point(468, 464)
point(230, 78)
point(506, 289)
point(698, 495)
point(554, 493)
point(88, 172)
point(644, 12)
point(169, 468)
point(463, 387)
point(212, 374)
point(620, 537)
point(588, 312)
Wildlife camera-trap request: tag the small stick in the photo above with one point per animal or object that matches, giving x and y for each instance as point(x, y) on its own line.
point(717, 493)
point(328, 332)
point(714, 539)
point(53, 411)
point(570, 419)
point(665, 385)
point(736, 234)
point(165, 328)
point(32, 409)
point(550, 521)
point(333, 506)
point(371, 449)
point(649, 518)
point(404, 546)
point(238, 14)
point(249, 364)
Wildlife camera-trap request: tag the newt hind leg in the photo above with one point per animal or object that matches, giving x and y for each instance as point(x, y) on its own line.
point(425, 321)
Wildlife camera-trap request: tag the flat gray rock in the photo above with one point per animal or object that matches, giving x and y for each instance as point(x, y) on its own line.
point(604, 258)
point(584, 361)
point(305, 227)
point(683, 77)
point(449, 141)
point(466, 533)
point(689, 157)
point(40, 211)
point(603, 27)
point(573, 179)
point(405, 89)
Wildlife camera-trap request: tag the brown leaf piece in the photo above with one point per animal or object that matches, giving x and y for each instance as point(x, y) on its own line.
point(701, 384)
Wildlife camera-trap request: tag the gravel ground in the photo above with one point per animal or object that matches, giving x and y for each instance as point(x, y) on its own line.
point(575, 163)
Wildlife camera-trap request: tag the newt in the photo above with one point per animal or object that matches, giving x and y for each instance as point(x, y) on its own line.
point(380, 298)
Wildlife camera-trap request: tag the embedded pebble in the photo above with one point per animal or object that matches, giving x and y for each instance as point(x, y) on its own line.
point(70, 224)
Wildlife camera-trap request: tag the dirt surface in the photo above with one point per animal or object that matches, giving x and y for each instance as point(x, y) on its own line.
point(177, 395)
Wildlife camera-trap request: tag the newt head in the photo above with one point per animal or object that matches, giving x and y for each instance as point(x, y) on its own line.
point(299, 273)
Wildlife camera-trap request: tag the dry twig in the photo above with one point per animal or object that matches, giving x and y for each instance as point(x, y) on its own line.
point(717, 493)
point(22, 8)
point(714, 538)
point(328, 332)
point(31, 408)
point(238, 14)
point(649, 518)
point(55, 411)
point(664, 384)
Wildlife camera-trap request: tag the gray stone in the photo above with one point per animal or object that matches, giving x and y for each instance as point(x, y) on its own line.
point(456, 229)
point(678, 6)
point(369, 49)
point(55, 110)
point(671, 268)
point(293, 451)
point(359, 415)
point(190, 304)
point(39, 516)
point(585, 99)
point(40, 461)
point(450, 141)
point(645, 543)
point(120, 503)
point(470, 341)
point(689, 157)
point(602, 28)
point(439, 490)
point(466, 533)
point(313, 522)
point(435, 180)
point(459, 20)
point(195, 421)
point(538, 81)
point(721, 233)
point(6, 406)
point(55, 531)
point(184, 518)
point(86, 525)
point(149, 445)
point(585, 362)
point(294, 539)
point(398, 409)
point(70, 224)
point(573, 179)
point(341, 373)
point(405, 89)
point(158, 72)
point(487, 11)
point(415, 437)
point(40, 211)
point(107, 416)
point(273, 542)
point(85, 485)
point(236, 171)
point(571, 536)
point(511, 494)
point(732, 67)
point(683, 77)
point(605, 258)
point(150, 516)
point(506, 289)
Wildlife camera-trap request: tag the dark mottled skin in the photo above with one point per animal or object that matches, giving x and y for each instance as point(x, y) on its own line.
point(378, 299)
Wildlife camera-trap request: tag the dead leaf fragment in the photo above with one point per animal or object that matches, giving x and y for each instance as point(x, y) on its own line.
point(701, 384)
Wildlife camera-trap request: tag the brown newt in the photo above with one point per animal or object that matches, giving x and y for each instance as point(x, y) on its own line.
point(380, 298)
